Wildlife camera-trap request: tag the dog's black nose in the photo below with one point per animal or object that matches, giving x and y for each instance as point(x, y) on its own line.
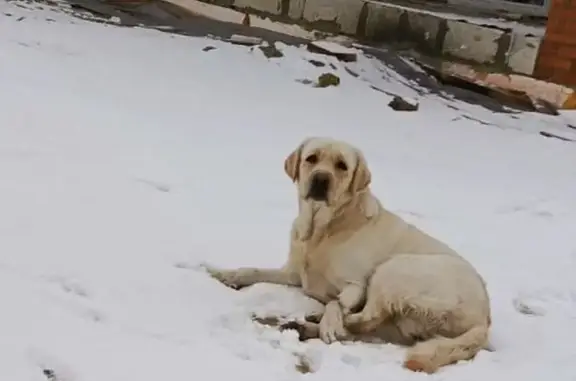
point(319, 186)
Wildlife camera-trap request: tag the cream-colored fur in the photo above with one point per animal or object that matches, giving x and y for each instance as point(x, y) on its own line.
point(376, 274)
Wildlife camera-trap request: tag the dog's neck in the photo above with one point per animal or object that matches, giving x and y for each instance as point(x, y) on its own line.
point(317, 219)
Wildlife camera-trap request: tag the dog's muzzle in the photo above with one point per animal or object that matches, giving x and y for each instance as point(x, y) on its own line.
point(319, 187)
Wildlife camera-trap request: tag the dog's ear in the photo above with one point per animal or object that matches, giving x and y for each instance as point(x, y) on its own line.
point(362, 177)
point(292, 162)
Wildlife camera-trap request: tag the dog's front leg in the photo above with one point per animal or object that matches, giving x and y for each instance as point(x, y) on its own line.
point(352, 297)
point(247, 276)
point(331, 327)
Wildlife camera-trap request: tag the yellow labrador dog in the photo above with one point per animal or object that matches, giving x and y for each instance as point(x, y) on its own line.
point(375, 273)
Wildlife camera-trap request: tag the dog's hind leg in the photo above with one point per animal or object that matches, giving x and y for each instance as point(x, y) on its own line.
point(430, 355)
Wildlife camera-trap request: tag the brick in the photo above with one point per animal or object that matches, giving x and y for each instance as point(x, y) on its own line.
point(560, 38)
point(564, 78)
point(549, 47)
point(568, 52)
point(557, 54)
point(570, 31)
point(555, 24)
point(563, 4)
point(558, 77)
point(563, 14)
point(555, 63)
point(543, 73)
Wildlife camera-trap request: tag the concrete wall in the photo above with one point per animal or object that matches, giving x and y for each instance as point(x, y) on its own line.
point(432, 34)
point(508, 6)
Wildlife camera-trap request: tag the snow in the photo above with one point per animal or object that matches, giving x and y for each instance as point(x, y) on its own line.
point(129, 156)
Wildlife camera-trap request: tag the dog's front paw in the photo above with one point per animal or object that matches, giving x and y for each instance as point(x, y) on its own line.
point(227, 277)
point(332, 332)
point(332, 325)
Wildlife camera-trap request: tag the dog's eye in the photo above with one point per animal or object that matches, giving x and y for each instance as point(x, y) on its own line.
point(312, 159)
point(341, 165)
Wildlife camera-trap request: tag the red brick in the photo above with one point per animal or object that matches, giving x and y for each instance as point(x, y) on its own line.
point(564, 78)
point(550, 47)
point(569, 30)
point(543, 73)
point(547, 72)
point(557, 54)
point(562, 4)
point(557, 63)
point(568, 52)
point(555, 24)
point(564, 39)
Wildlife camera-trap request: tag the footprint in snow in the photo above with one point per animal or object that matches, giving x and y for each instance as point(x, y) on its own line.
point(70, 286)
point(156, 185)
point(187, 266)
point(543, 302)
point(543, 214)
point(52, 368)
point(410, 214)
point(351, 360)
point(76, 306)
point(535, 208)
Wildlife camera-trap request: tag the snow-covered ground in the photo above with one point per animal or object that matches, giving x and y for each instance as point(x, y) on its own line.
point(128, 156)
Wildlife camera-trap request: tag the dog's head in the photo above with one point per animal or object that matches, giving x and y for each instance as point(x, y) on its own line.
point(327, 170)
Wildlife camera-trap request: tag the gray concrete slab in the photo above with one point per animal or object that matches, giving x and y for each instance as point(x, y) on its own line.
point(342, 14)
point(273, 7)
point(523, 53)
point(472, 42)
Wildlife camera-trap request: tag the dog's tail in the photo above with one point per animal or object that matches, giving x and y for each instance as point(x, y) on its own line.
point(428, 356)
